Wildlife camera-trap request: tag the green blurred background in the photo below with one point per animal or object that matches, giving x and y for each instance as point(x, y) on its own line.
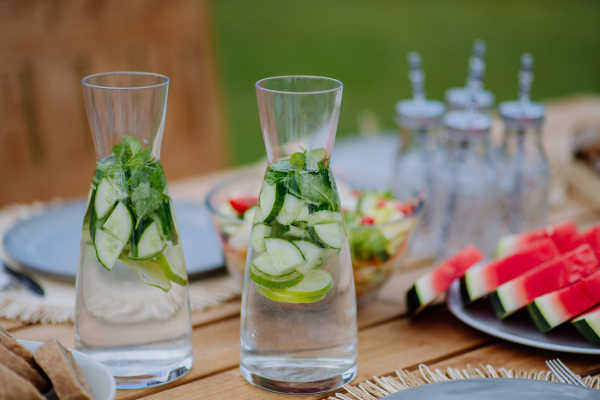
point(364, 44)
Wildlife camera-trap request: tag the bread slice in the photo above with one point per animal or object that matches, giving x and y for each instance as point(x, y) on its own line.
point(64, 372)
point(14, 387)
point(13, 345)
point(21, 368)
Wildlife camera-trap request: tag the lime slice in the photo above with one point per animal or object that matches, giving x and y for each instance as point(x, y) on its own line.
point(312, 288)
point(274, 294)
point(172, 264)
point(149, 272)
point(315, 283)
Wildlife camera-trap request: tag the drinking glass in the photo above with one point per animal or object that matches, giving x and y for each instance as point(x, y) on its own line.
point(298, 328)
point(132, 309)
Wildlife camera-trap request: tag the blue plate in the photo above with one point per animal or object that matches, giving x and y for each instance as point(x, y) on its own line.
point(496, 389)
point(48, 244)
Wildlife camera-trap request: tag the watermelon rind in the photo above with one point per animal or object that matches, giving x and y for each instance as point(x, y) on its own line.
point(473, 285)
point(497, 305)
point(589, 332)
point(538, 318)
point(464, 292)
point(413, 302)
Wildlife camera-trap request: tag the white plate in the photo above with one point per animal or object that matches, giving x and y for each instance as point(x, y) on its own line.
point(496, 389)
point(517, 328)
point(100, 380)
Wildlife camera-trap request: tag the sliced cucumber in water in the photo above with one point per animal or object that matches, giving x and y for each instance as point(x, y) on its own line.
point(302, 217)
point(271, 200)
point(290, 209)
point(150, 273)
point(260, 231)
point(173, 265)
point(274, 282)
point(119, 223)
point(106, 197)
point(327, 235)
point(325, 217)
point(284, 255)
point(264, 265)
point(108, 248)
point(312, 253)
point(249, 214)
point(295, 232)
point(147, 242)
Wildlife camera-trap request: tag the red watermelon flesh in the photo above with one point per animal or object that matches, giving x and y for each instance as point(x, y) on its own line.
point(552, 275)
point(555, 308)
point(482, 280)
point(560, 234)
point(591, 237)
point(431, 285)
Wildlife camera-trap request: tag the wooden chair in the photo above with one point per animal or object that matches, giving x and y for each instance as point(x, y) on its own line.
point(47, 47)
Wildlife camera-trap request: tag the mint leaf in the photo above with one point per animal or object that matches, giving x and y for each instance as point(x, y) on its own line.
point(313, 157)
point(157, 176)
point(141, 158)
point(315, 188)
point(133, 144)
point(119, 151)
point(145, 199)
point(297, 159)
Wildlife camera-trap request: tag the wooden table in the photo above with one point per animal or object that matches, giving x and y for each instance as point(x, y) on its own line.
point(387, 339)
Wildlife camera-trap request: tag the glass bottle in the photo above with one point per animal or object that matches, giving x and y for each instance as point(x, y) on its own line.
point(459, 98)
point(417, 163)
point(524, 176)
point(132, 309)
point(467, 200)
point(298, 321)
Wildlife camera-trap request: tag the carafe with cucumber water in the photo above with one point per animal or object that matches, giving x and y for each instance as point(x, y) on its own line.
point(132, 309)
point(298, 328)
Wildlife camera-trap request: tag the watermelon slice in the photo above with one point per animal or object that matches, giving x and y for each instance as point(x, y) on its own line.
point(486, 276)
point(588, 325)
point(591, 237)
point(552, 275)
point(560, 233)
point(552, 309)
point(431, 285)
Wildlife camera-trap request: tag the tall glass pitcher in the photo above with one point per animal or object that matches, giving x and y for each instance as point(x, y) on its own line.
point(132, 310)
point(298, 328)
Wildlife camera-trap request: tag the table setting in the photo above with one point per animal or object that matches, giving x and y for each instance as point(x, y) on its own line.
point(452, 257)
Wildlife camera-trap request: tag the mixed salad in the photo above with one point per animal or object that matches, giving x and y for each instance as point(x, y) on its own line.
point(130, 217)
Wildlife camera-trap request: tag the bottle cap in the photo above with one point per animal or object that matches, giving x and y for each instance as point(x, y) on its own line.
point(467, 125)
point(458, 98)
point(423, 114)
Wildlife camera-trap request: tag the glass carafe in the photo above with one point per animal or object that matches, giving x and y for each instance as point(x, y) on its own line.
point(466, 192)
point(132, 310)
point(298, 327)
point(524, 174)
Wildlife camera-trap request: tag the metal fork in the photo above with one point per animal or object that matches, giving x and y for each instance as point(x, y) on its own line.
point(563, 373)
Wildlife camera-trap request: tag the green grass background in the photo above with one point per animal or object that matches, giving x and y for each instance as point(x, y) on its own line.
point(364, 44)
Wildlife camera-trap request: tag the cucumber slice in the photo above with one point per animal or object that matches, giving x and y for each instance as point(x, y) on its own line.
point(325, 217)
point(264, 265)
point(173, 265)
point(258, 217)
point(315, 283)
point(368, 202)
point(260, 231)
point(108, 248)
point(327, 235)
point(290, 209)
point(271, 200)
point(302, 217)
point(150, 273)
point(274, 282)
point(312, 253)
point(285, 256)
point(119, 223)
point(295, 232)
point(106, 197)
point(149, 244)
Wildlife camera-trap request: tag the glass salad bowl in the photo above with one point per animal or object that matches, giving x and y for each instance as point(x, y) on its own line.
point(379, 228)
point(231, 206)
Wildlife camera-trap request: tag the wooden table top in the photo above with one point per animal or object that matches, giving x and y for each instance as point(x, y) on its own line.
point(387, 339)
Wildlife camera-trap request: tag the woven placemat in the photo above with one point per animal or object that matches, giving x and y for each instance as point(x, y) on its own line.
point(58, 305)
point(383, 386)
